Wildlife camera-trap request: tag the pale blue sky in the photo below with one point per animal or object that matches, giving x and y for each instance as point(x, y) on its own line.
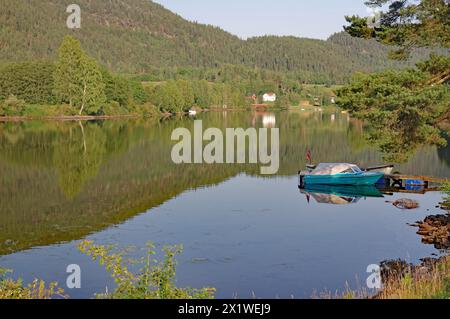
point(245, 18)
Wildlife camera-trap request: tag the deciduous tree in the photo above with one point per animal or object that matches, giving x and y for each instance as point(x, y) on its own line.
point(78, 78)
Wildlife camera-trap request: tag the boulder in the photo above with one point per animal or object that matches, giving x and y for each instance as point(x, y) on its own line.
point(406, 204)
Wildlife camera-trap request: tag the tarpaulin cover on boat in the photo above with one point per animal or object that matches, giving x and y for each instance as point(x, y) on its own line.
point(333, 199)
point(334, 168)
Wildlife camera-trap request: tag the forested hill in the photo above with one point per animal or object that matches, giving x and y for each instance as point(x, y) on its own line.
point(135, 36)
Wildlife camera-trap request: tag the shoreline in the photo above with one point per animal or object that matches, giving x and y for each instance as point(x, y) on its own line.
point(64, 118)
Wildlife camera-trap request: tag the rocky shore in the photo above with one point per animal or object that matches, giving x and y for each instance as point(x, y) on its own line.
point(435, 230)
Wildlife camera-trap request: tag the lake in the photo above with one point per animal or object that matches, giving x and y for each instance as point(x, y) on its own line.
point(243, 233)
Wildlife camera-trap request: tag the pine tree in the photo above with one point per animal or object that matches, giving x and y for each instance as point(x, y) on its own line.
point(406, 24)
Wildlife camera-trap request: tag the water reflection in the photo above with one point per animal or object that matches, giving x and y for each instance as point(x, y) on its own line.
point(339, 195)
point(61, 181)
point(78, 157)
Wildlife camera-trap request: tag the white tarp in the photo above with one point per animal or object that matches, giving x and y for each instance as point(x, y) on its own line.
point(333, 168)
point(333, 199)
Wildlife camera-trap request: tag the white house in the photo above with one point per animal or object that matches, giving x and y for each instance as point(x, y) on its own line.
point(269, 97)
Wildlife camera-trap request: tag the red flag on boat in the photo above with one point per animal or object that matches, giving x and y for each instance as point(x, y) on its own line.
point(308, 156)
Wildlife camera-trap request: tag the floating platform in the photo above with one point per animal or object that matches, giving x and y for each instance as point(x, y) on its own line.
point(397, 180)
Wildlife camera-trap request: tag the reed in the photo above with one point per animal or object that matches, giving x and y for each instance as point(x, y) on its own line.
point(420, 283)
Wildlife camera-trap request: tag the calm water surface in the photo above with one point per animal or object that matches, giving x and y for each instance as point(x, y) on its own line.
point(243, 233)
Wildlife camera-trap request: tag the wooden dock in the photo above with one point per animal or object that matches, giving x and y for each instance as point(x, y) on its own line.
point(397, 180)
point(420, 191)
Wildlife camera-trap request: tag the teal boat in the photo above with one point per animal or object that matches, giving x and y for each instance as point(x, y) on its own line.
point(339, 174)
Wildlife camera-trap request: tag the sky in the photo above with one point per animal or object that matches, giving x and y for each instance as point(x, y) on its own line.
point(316, 19)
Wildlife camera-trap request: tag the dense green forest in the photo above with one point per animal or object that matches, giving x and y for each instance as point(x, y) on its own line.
point(136, 57)
point(76, 84)
point(139, 36)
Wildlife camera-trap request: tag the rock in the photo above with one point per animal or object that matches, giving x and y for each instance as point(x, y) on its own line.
point(9, 242)
point(406, 204)
point(435, 230)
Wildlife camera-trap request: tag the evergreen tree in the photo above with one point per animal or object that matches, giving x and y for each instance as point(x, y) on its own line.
point(408, 24)
point(405, 108)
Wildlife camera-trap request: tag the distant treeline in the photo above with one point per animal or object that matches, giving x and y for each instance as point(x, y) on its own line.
point(229, 84)
point(75, 84)
point(140, 35)
point(29, 88)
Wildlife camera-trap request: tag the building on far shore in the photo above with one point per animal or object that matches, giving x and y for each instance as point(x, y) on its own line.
point(269, 97)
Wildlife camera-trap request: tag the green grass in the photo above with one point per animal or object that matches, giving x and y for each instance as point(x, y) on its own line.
point(431, 284)
point(434, 284)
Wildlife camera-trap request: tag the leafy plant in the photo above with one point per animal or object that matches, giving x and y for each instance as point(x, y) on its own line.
point(31, 81)
point(446, 190)
point(12, 106)
point(78, 78)
point(155, 280)
point(11, 289)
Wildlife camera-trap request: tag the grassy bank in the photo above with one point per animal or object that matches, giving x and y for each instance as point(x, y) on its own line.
point(420, 282)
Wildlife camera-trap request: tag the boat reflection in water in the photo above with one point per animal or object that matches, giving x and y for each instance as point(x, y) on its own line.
point(339, 195)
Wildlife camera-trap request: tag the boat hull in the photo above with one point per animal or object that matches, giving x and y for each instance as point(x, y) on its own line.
point(343, 179)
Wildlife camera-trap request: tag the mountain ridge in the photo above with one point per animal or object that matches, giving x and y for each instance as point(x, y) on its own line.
point(137, 35)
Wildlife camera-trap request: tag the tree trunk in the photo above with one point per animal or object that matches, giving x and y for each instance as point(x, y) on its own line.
point(440, 78)
point(84, 99)
point(84, 138)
